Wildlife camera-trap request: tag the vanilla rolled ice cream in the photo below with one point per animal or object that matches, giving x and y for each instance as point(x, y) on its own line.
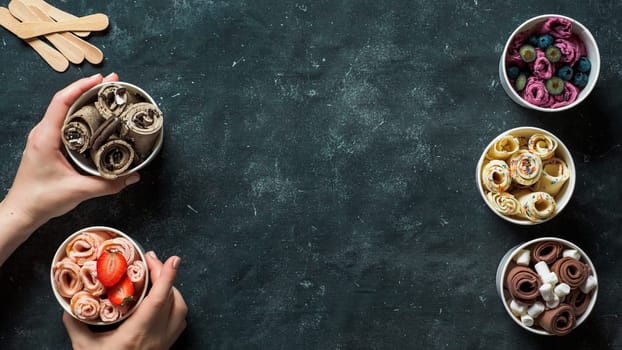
point(114, 129)
point(496, 176)
point(505, 203)
point(523, 173)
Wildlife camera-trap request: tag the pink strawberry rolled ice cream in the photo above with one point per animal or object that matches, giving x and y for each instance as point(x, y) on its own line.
point(542, 67)
point(557, 27)
point(67, 277)
point(85, 306)
point(535, 92)
point(120, 244)
point(108, 312)
point(88, 274)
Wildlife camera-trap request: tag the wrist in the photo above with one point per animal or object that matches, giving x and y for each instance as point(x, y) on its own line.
point(16, 221)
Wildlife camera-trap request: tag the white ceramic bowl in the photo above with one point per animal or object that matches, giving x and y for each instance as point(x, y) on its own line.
point(592, 54)
point(60, 254)
point(562, 198)
point(84, 162)
point(507, 262)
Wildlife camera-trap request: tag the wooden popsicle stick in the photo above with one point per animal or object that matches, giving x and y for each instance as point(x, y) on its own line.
point(62, 44)
point(30, 29)
point(55, 59)
point(91, 53)
point(54, 12)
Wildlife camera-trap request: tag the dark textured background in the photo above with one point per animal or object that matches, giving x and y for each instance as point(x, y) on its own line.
point(318, 171)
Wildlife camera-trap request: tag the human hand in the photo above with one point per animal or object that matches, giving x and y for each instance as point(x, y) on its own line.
point(46, 185)
point(156, 324)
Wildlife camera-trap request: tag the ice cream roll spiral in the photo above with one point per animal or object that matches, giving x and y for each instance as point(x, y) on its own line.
point(79, 128)
point(142, 123)
point(113, 158)
point(113, 100)
point(525, 167)
point(555, 173)
point(505, 203)
point(503, 147)
point(523, 284)
point(536, 206)
point(496, 176)
point(558, 321)
point(542, 145)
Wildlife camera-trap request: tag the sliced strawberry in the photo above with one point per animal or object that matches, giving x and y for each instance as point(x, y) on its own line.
point(122, 292)
point(111, 266)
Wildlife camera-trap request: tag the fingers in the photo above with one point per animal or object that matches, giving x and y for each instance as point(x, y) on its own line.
point(155, 265)
point(111, 77)
point(178, 314)
point(63, 99)
point(95, 186)
point(158, 302)
point(163, 282)
point(78, 331)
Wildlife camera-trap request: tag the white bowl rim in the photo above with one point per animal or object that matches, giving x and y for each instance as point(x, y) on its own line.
point(568, 191)
point(595, 71)
point(61, 252)
point(87, 165)
point(503, 266)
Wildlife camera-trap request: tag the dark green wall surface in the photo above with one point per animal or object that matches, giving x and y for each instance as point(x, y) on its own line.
point(318, 171)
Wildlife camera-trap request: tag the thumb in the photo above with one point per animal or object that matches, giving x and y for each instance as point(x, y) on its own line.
point(78, 332)
point(97, 186)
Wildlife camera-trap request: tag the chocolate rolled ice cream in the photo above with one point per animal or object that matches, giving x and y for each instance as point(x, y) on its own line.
point(549, 286)
point(79, 128)
point(116, 129)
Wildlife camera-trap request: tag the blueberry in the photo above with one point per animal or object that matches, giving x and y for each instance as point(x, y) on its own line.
point(565, 72)
point(555, 86)
point(527, 53)
point(533, 40)
point(544, 41)
point(553, 54)
point(513, 72)
point(520, 82)
point(583, 65)
point(580, 79)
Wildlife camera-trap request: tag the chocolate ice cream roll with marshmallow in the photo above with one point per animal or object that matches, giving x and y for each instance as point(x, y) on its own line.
point(142, 124)
point(113, 100)
point(78, 129)
point(113, 158)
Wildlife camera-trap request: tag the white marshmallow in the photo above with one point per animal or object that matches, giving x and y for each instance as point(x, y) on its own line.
point(546, 290)
point(517, 308)
point(551, 304)
point(589, 284)
point(527, 320)
point(536, 309)
point(562, 290)
point(542, 269)
point(523, 257)
point(550, 278)
point(572, 253)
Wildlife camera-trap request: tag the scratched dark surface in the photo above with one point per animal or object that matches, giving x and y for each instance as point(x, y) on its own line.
point(318, 171)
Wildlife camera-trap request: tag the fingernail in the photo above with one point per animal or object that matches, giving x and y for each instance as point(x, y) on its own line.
point(94, 75)
point(176, 262)
point(132, 179)
point(110, 75)
point(152, 254)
